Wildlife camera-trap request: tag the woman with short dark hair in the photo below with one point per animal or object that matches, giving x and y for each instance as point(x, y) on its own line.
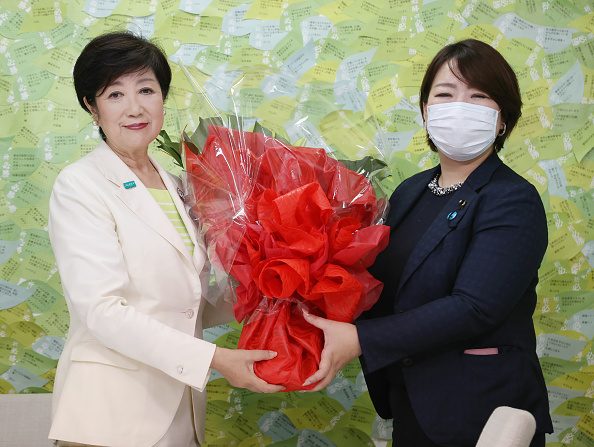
point(109, 56)
point(451, 337)
point(134, 368)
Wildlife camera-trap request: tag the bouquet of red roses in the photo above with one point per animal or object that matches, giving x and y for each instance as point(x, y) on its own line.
point(291, 227)
point(294, 228)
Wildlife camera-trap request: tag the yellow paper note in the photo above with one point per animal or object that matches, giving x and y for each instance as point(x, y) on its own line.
point(247, 57)
point(322, 72)
point(584, 22)
point(43, 15)
point(277, 110)
point(265, 10)
point(59, 61)
point(136, 8)
point(219, 8)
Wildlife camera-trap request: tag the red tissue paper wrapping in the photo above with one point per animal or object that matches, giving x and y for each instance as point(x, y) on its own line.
point(294, 228)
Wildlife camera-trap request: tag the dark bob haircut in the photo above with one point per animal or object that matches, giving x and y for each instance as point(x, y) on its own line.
point(482, 67)
point(111, 55)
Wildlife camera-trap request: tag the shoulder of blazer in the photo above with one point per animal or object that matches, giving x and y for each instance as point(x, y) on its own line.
point(499, 179)
point(506, 189)
point(483, 174)
point(104, 162)
point(90, 164)
point(82, 176)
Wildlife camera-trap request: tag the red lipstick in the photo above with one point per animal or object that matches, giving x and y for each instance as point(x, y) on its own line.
point(136, 126)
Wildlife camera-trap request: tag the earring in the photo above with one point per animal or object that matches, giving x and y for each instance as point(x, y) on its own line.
point(502, 131)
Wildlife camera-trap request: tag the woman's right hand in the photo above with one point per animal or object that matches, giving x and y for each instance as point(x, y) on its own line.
point(237, 366)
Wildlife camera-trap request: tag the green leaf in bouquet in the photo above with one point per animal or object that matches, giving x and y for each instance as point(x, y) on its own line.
point(190, 144)
point(258, 128)
point(201, 133)
point(376, 171)
point(369, 165)
point(234, 122)
point(282, 139)
point(170, 147)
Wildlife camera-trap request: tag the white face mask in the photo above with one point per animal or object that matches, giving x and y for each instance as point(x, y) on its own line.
point(460, 130)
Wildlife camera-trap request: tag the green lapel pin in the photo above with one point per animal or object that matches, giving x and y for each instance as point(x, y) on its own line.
point(130, 184)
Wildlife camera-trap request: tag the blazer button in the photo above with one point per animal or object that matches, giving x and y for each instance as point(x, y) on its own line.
point(180, 369)
point(189, 313)
point(407, 361)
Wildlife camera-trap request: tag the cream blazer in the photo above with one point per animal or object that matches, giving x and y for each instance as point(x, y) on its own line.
point(134, 294)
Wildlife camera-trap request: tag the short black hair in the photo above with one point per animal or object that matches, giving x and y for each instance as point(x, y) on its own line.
point(109, 56)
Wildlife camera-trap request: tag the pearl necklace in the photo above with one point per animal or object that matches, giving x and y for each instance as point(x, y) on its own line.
point(441, 191)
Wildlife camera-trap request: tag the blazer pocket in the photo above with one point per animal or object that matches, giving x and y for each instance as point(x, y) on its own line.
point(95, 352)
point(482, 351)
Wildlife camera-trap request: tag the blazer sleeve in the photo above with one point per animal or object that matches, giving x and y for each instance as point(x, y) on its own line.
point(500, 264)
point(83, 234)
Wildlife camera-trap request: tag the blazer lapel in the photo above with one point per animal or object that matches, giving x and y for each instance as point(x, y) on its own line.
point(138, 199)
point(452, 214)
point(408, 200)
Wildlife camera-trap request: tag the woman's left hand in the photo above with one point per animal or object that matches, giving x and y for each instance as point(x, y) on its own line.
point(341, 345)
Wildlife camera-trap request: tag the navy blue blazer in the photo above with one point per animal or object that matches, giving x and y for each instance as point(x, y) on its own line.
point(469, 283)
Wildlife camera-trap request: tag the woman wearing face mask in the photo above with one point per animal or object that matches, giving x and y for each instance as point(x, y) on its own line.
point(452, 337)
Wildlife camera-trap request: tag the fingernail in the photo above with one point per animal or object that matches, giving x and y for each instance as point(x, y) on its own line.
point(305, 383)
point(273, 354)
